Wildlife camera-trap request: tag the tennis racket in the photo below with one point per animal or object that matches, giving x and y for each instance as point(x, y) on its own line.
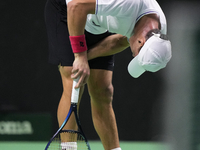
point(76, 140)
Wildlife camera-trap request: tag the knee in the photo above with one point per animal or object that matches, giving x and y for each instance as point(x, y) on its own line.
point(101, 93)
point(65, 71)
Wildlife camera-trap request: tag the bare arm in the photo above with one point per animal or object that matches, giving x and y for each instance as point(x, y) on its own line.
point(111, 45)
point(77, 11)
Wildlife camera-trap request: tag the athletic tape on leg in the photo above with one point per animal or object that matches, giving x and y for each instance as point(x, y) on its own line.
point(69, 145)
point(117, 148)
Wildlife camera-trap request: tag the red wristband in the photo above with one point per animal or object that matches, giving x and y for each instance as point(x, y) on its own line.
point(78, 43)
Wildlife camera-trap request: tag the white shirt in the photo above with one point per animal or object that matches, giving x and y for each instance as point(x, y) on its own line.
point(120, 16)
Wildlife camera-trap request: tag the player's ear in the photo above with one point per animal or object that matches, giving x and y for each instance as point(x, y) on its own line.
point(141, 41)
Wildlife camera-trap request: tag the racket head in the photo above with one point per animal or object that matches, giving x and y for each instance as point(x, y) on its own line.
point(57, 134)
point(71, 136)
point(74, 140)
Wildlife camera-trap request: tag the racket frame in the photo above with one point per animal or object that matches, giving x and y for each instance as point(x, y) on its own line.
point(73, 108)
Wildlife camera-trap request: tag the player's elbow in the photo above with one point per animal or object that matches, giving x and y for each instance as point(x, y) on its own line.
point(76, 6)
point(120, 42)
point(123, 42)
point(73, 6)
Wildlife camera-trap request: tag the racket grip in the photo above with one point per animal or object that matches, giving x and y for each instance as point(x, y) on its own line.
point(75, 92)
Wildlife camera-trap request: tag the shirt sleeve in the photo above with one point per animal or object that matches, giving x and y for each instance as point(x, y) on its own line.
point(67, 1)
point(115, 7)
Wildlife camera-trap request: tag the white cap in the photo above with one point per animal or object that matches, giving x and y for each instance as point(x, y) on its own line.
point(153, 56)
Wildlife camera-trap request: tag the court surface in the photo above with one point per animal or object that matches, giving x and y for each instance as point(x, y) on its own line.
point(95, 145)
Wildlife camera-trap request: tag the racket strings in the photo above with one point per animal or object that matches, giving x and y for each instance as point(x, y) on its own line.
point(72, 141)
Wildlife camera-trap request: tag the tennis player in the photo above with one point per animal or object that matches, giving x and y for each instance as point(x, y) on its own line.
point(95, 30)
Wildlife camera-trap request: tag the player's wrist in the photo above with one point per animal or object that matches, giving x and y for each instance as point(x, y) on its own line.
point(78, 43)
point(81, 55)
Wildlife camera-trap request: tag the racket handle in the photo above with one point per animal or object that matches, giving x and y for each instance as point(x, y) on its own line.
point(75, 92)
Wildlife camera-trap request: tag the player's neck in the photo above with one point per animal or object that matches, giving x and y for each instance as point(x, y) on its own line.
point(143, 26)
point(147, 23)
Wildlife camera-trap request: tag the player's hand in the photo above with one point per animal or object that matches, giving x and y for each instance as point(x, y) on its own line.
point(80, 69)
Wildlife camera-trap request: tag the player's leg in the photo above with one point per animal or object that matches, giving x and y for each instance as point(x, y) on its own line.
point(65, 100)
point(60, 52)
point(101, 92)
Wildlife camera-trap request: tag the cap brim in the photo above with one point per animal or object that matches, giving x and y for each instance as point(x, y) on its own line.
point(134, 68)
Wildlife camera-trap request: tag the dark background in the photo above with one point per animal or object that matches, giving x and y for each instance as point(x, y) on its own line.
point(28, 84)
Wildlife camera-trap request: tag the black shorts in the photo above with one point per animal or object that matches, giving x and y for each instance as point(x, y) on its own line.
point(60, 51)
